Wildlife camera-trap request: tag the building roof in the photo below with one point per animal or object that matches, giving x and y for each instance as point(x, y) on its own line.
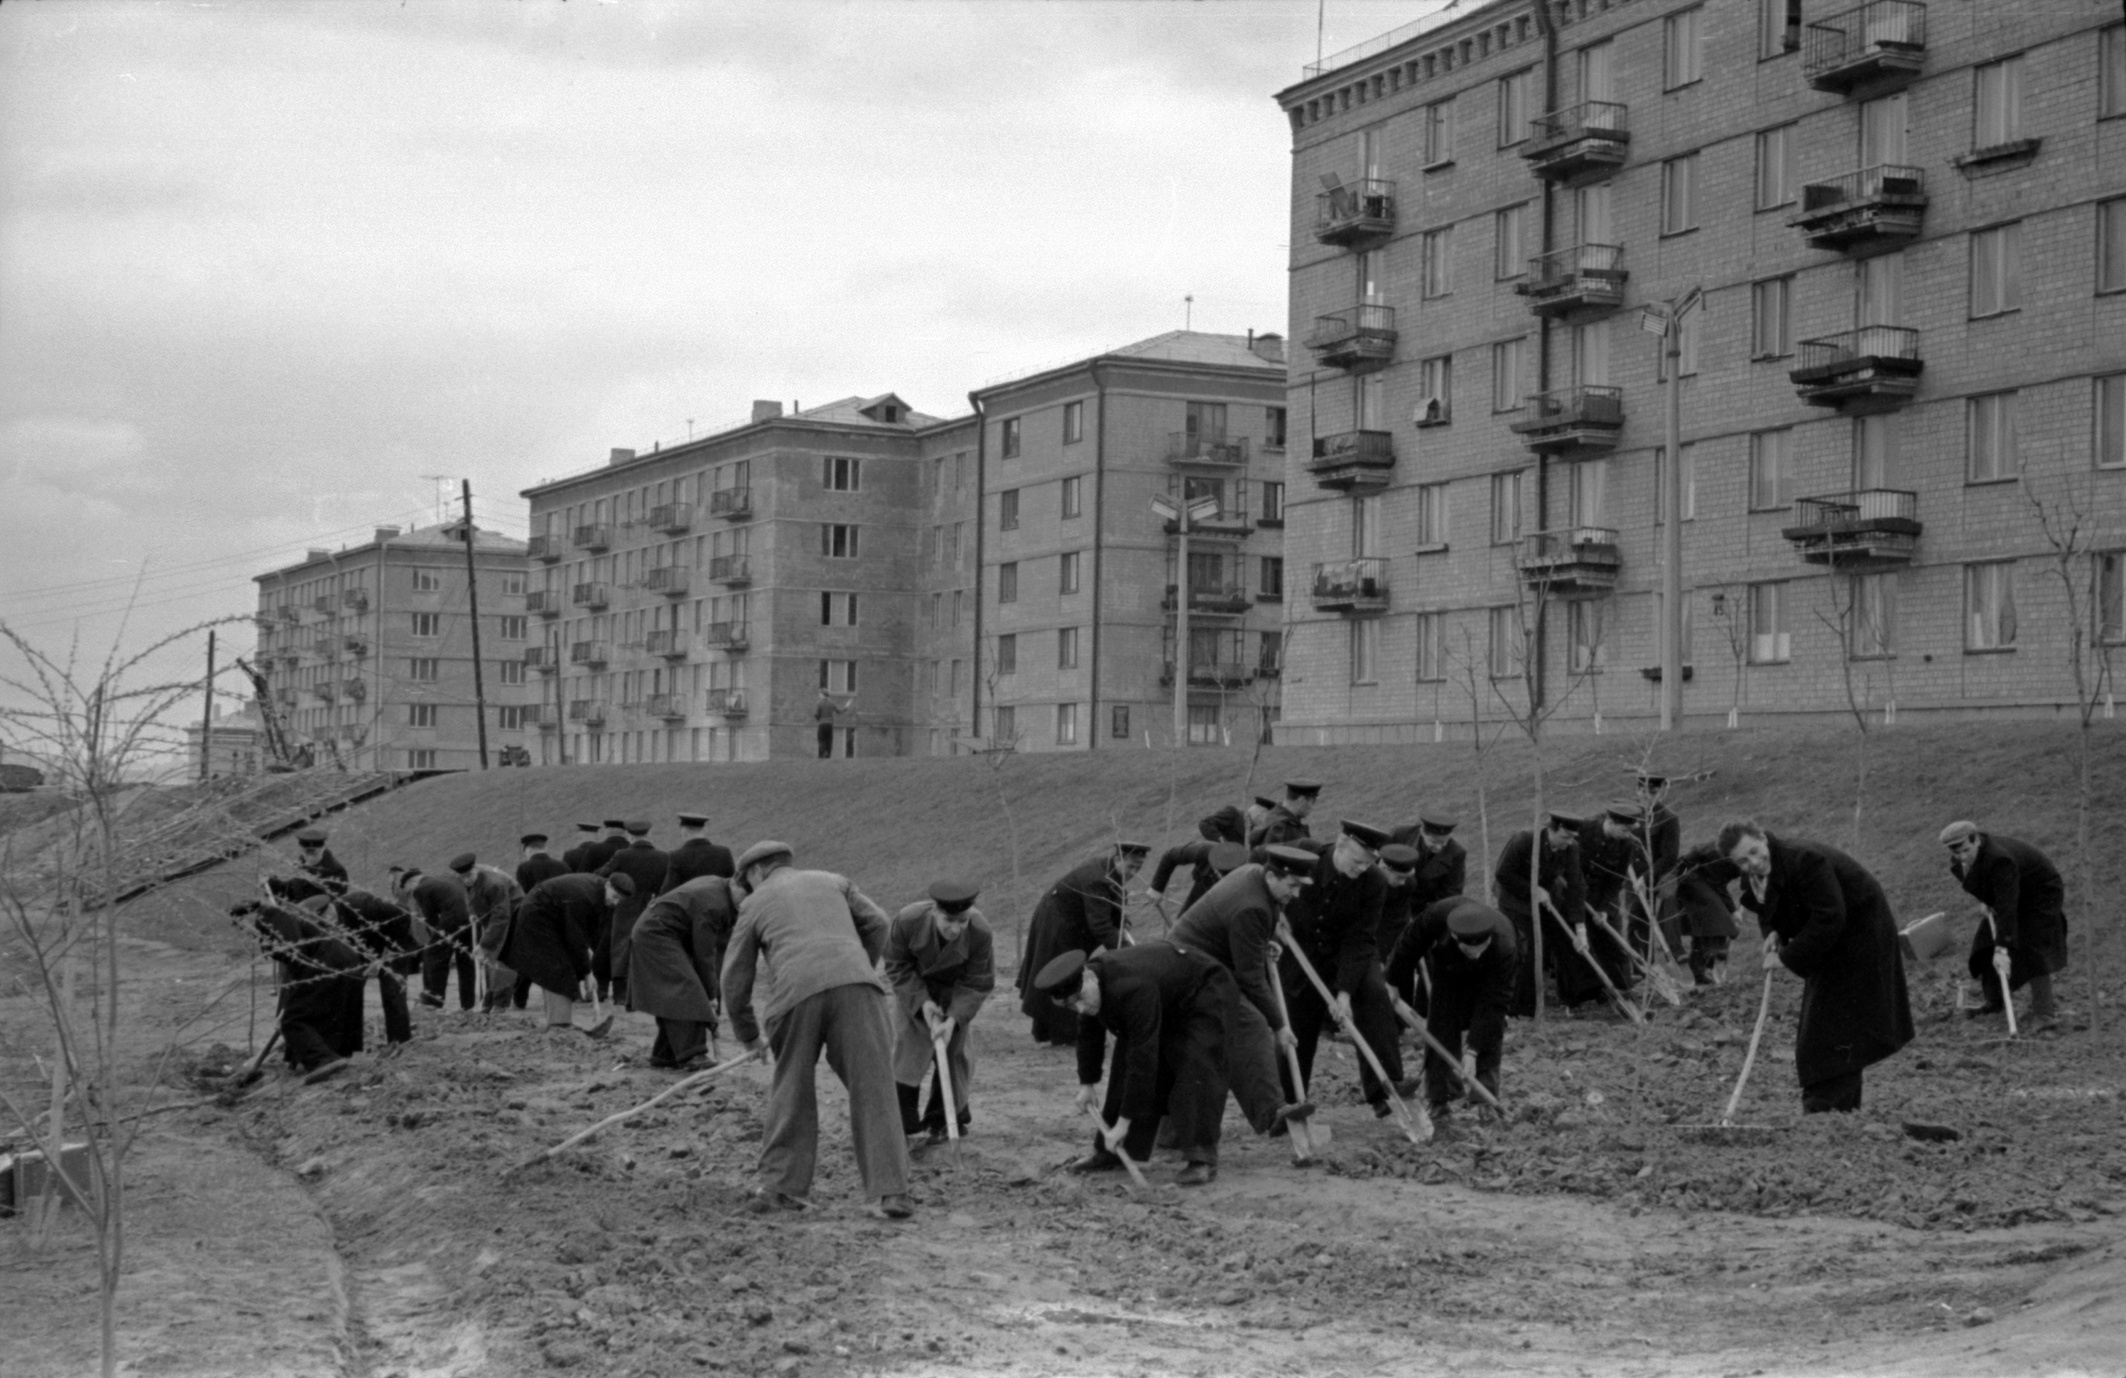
point(867, 411)
point(1197, 347)
point(440, 537)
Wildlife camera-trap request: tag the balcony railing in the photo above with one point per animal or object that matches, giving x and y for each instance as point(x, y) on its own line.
point(1581, 143)
point(1868, 206)
point(290, 613)
point(1354, 586)
point(672, 645)
point(1186, 447)
point(667, 705)
point(1871, 528)
point(670, 580)
point(1359, 340)
point(591, 595)
point(1874, 368)
point(356, 646)
point(545, 602)
point(543, 547)
point(1582, 279)
point(725, 636)
point(1570, 562)
point(545, 716)
point(355, 600)
point(731, 503)
point(1354, 214)
point(595, 537)
point(1879, 46)
point(1581, 418)
point(672, 518)
point(540, 658)
point(326, 690)
point(591, 653)
point(326, 604)
point(285, 696)
point(1215, 598)
point(730, 703)
point(354, 689)
point(730, 569)
point(590, 711)
point(1352, 460)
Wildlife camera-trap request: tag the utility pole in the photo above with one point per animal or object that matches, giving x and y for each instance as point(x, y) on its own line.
point(1181, 511)
point(1667, 321)
point(472, 592)
point(206, 723)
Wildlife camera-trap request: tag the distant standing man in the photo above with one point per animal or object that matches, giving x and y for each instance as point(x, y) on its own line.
point(537, 864)
point(941, 961)
point(1826, 920)
point(641, 862)
point(825, 713)
point(818, 936)
point(1080, 912)
point(441, 902)
point(2027, 905)
point(1442, 870)
point(696, 856)
point(1287, 822)
point(315, 860)
point(577, 858)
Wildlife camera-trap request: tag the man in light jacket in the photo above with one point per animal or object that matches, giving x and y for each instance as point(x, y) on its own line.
point(941, 959)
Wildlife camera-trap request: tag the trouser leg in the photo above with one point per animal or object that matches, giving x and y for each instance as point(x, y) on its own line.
point(1197, 1097)
point(679, 1040)
point(789, 1141)
point(1375, 1019)
point(2041, 1003)
point(1143, 1131)
point(391, 995)
point(1840, 1093)
point(461, 957)
point(1442, 1085)
point(351, 990)
point(1525, 979)
point(435, 970)
point(520, 993)
point(960, 1062)
point(911, 1102)
point(1490, 1053)
point(602, 961)
point(859, 1041)
point(1251, 1065)
point(560, 1009)
point(1304, 1008)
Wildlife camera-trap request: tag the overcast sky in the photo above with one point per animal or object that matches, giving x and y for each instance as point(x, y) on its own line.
point(266, 267)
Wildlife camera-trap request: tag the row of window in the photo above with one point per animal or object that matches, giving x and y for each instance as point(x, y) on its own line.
point(1204, 421)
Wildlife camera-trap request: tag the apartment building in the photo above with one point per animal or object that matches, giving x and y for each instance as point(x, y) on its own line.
point(1085, 470)
point(367, 651)
point(1899, 230)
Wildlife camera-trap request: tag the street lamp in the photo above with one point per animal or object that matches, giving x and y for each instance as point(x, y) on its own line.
point(1181, 514)
point(1666, 319)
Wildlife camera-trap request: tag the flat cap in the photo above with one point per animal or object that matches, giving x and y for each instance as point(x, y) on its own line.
point(761, 851)
point(1290, 861)
point(1469, 920)
point(1128, 848)
point(1626, 810)
point(693, 820)
point(532, 840)
point(1399, 856)
point(311, 837)
point(1437, 821)
point(638, 827)
point(463, 862)
point(622, 883)
point(1365, 834)
point(1060, 979)
point(953, 895)
point(1567, 820)
point(1958, 831)
point(1226, 857)
point(1302, 789)
point(616, 824)
point(587, 827)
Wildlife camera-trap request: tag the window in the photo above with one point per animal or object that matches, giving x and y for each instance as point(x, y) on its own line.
point(1513, 106)
point(513, 628)
point(837, 541)
point(1437, 247)
point(1439, 133)
point(1008, 582)
point(1008, 509)
point(1431, 645)
point(1679, 194)
point(1589, 655)
point(1683, 51)
point(1778, 181)
point(426, 581)
point(513, 584)
point(1365, 650)
point(1508, 258)
point(2111, 246)
point(1067, 572)
point(1990, 441)
point(1066, 724)
point(934, 545)
point(839, 475)
point(1503, 657)
point(1778, 27)
point(1067, 648)
point(1010, 438)
point(1272, 503)
point(2111, 595)
point(937, 611)
point(2111, 72)
point(1874, 616)
point(1997, 103)
point(1118, 722)
point(513, 717)
point(837, 610)
point(1008, 653)
point(955, 679)
point(1771, 643)
point(1506, 506)
point(1771, 470)
point(1506, 375)
point(427, 624)
point(2110, 430)
point(838, 676)
point(1007, 723)
point(957, 542)
point(420, 715)
point(1989, 606)
point(1432, 516)
point(1365, 526)
point(958, 595)
point(1271, 584)
point(1690, 485)
point(1435, 391)
point(1770, 334)
point(1269, 658)
point(423, 758)
point(1996, 270)
point(1073, 422)
point(422, 668)
point(509, 671)
point(1073, 499)
point(1273, 428)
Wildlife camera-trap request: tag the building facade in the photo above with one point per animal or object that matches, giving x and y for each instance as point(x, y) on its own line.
point(233, 743)
point(367, 652)
point(1899, 229)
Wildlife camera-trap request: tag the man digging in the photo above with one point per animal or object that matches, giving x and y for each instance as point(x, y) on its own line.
point(941, 961)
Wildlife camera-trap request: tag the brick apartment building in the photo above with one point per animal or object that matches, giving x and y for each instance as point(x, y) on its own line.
point(1908, 223)
point(368, 656)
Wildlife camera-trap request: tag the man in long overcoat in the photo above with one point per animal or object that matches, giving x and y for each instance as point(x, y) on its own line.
point(557, 927)
point(641, 862)
point(577, 858)
point(675, 966)
point(537, 863)
point(1335, 920)
point(492, 895)
point(321, 981)
point(440, 901)
point(1226, 825)
point(378, 930)
point(1559, 878)
point(1834, 929)
point(2027, 905)
point(941, 962)
point(1081, 912)
point(696, 856)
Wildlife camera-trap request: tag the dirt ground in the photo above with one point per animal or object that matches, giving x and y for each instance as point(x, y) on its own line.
point(364, 1226)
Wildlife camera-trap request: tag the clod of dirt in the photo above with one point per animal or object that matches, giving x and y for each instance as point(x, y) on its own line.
point(1932, 1133)
point(735, 1282)
point(311, 1169)
point(1982, 1316)
point(565, 1353)
point(757, 1313)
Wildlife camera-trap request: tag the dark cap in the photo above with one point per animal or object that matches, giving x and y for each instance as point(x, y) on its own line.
point(693, 820)
point(762, 851)
point(953, 895)
point(1133, 848)
point(1434, 821)
point(587, 827)
point(1060, 979)
point(1226, 857)
point(1399, 856)
point(1469, 920)
point(1650, 780)
point(639, 828)
point(617, 824)
point(622, 883)
point(463, 862)
point(311, 837)
point(532, 840)
point(407, 875)
point(1263, 801)
point(1626, 810)
point(1290, 861)
point(1365, 834)
point(1302, 789)
point(1567, 820)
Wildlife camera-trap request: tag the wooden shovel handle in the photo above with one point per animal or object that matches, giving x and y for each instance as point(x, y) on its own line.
point(1749, 1059)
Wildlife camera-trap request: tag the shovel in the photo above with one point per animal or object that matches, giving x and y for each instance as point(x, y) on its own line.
point(1136, 1174)
point(2002, 965)
point(1301, 1131)
point(251, 1071)
point(1630, 1010)
point(610, 1120)
point(1476, 1088)
point(1727, 1131)
point(952, 1107)
point(1659, 981)
point(1416, 1128)
point(601, 1022)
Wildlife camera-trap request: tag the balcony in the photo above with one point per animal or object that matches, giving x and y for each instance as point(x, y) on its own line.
point(354, 690)
point(545, 716)
point(290, 613)
point(1875, 208)
point(1872, 49)
point(355, 600)
point(1224, 599)
point(668, 706)
point(326, 690)
point(544, 548)
point(1353, 460)
point(670, 580)
point(1186, 447)
point(1360, 340)
point(1354, 215)
point(1572, 419)
point(325, 604)
point(589, 711)
point(592, 596)
point(670, 644)
point(732, 504)
point(355, 646)
point(672, 518)
point(1217, 661)
point(1572, 562)
point(545, 602)
point(1873, 369)
point(541, 658)
point(1578, 281)
point(593, 654)
point(1352, 586)
point(1583, 143)
point(1232, 521)
point(594, 538)
point(726, 636)
point(1874, 528)
point(1216, 674)
point(285, 696)
point(730, 569)
point(326, 647)
point(729, 703)
point(288, 656)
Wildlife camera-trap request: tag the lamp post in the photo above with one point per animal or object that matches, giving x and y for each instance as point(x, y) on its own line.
point(1666, 320)
point(1181, 513)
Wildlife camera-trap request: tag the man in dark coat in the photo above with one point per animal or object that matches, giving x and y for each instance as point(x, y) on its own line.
point(550, 943)
point(695, 856)
point(537, 864)
point(641, 862)
point(380, 931)
point(1473, 967)
point(492, 895)
point(577, 858)
point(440, 901)
point(1080, 912)
point(941, 962)
point(675, 966)
point(1442, 869)
point(1834, 929)
point(1233, 925)
point(1287, 822)
point(1226, 825)
point(601, 851)
point(1705, 912)
point(321, 980)
point(315, 859)
point(2027, 909)
point(1660, 836)
point(1335, 920)
point(1560, 881)
point(1613, 863)
point(1166, 1005)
